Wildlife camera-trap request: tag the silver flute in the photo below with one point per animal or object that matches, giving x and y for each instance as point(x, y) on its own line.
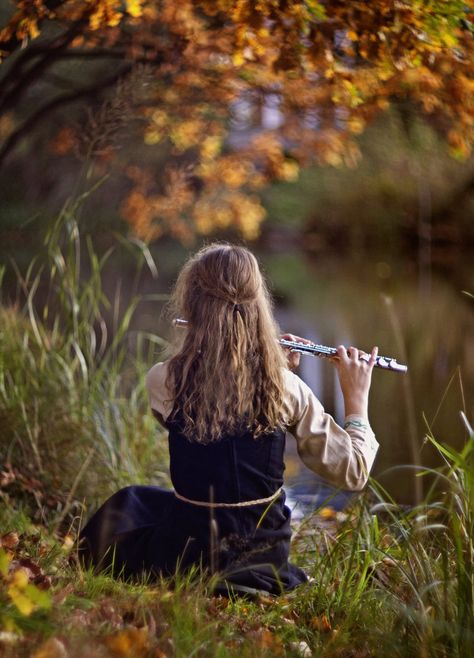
point(384, 362)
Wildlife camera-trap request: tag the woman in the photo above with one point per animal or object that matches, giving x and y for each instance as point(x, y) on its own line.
point(227, 398)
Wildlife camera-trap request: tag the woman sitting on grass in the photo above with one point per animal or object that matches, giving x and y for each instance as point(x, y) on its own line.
point(227, 398)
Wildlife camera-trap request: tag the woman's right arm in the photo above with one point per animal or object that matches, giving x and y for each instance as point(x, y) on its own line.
point(158, 393)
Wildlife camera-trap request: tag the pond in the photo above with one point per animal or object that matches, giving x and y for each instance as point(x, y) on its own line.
point(422, 318)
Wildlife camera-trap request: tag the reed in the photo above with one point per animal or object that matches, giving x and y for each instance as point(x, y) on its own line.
point(74, 415)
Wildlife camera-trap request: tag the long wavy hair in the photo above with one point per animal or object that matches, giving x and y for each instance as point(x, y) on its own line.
point(228, 372)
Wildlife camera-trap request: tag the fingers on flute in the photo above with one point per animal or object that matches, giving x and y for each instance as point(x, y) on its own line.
point(353, 353)
point(295, 339)
point(373, 356)
point(341, 354)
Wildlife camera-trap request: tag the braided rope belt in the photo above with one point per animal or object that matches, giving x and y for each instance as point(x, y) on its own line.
point(246, 503)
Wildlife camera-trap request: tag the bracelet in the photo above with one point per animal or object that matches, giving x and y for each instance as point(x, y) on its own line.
point(355, 423)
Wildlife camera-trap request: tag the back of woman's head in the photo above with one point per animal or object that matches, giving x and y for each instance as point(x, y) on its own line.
point(228, 371)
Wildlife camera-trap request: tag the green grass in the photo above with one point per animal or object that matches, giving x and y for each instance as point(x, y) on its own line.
point(74, 417)
point(75, 426)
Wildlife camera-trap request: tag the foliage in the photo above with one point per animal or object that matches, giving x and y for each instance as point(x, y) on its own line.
point(234, 93)
point(72, 419)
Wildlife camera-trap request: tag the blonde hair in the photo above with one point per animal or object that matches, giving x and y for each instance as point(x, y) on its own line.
point(228, 374)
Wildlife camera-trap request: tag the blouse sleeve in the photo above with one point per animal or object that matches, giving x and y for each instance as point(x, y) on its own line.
point(158, 393)
point(341, 456)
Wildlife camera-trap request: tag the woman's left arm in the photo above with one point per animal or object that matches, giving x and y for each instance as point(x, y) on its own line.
point(343, 456)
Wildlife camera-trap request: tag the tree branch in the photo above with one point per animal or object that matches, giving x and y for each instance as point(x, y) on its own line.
point(49, 107)
point(14, 42)
point(19, 81)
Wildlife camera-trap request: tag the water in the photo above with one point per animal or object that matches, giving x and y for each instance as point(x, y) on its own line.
point(366, 302)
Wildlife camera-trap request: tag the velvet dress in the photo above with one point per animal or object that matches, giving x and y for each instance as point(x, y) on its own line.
point(147, 529)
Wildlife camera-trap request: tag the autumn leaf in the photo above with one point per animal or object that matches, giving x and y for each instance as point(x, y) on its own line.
point(134, 7)
point(9, 540)
point(51, 648)
point(25, 596)
point(130, 641)
point(321, 623)
point(5, 559)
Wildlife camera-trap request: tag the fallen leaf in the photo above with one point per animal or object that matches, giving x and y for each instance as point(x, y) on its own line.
point(23, 603)
point(52, 648)
point(20, 578)
point(9, 540)
point(129, 642)
point(321, 623)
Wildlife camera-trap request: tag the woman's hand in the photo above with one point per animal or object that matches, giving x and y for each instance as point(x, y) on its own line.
point(293, 357)
point(355, 375)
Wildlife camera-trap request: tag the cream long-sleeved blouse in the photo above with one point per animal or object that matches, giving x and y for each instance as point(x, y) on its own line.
point(341, 456)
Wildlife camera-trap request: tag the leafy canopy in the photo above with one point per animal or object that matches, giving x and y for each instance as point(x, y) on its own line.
point(231, 94)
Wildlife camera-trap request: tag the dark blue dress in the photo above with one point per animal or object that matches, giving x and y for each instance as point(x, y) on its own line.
point(148, 529)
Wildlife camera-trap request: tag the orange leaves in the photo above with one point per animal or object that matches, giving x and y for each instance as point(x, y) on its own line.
point(65, 141)
point(305, 77)
point(24, 24)
point(321, 623)
point(109, 13)
point(128, 642)
point(134, 7)
point(186, 134)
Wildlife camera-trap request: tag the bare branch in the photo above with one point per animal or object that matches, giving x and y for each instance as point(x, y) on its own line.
point(17, 80)
point(64, 99)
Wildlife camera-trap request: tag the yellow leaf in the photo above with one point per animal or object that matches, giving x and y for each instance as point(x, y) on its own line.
point(238, 58)
point(22, 602)
point(134, 7)
point(448, 39)
point(153, 136)
point(20, 578)
point(5, 559)
point(335, 160)
point(33, 28)
point(356, 125)
point(210, 147)
point(289, 170)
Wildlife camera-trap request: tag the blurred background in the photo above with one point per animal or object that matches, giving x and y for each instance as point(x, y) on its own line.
point(373, 249)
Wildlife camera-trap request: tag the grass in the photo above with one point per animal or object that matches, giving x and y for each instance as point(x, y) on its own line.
point(74, 425)
point(74, 418)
